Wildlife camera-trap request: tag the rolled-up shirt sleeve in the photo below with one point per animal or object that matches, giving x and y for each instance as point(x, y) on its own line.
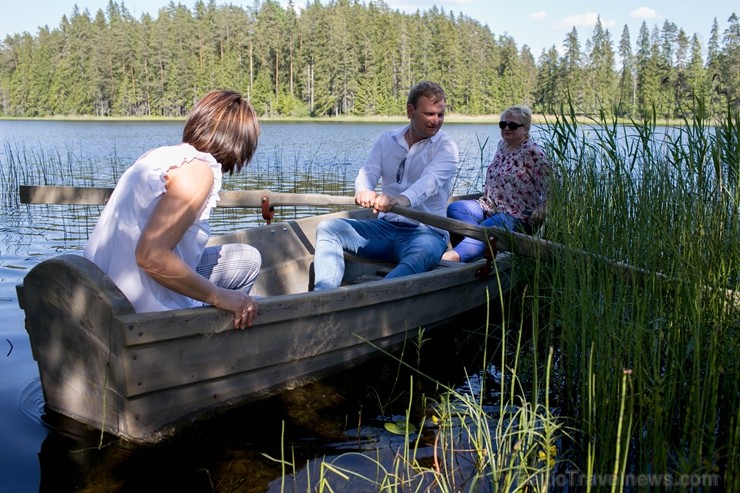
point(370, 173)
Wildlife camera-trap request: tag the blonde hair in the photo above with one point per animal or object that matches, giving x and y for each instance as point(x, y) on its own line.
point(522, 112)
point(224, 125)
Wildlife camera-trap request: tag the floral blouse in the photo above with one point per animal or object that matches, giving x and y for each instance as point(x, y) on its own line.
point(517, 182)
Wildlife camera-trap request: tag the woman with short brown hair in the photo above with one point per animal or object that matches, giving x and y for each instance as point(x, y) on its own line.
point(151, 236)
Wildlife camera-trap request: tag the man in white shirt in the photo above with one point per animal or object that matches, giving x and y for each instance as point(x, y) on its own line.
point(415, 166)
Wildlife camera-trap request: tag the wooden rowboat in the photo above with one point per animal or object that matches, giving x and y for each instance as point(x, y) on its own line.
point(145, 376)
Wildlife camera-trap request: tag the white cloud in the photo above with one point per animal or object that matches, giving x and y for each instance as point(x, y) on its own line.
point(587, 19)
point(538, 16)
point(579, 20)
point(299, 6)
point(644, 13)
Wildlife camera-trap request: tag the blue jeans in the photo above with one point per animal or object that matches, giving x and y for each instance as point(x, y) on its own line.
point(416, 248)
point(471, 212)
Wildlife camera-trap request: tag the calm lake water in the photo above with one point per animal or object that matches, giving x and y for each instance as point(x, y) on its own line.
point(42, 453)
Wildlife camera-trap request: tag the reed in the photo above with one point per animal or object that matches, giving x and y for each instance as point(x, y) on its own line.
point(463, 442)
point(664, 200)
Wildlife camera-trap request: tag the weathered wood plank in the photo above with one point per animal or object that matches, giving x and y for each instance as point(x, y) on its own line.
point(40, 194)
point(71, 319)
point(209, 398)
point(159, 355)
point(30, 194)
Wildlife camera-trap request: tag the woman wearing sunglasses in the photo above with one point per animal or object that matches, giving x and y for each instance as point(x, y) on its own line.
point(515, 188)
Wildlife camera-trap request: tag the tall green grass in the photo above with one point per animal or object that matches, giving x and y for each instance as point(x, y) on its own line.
point(461, 442)
point(648, 364)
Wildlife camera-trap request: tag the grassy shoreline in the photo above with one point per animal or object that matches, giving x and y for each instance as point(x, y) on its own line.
point(456, 118)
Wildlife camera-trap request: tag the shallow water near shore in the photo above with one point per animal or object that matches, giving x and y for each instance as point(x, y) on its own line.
point(43, 452)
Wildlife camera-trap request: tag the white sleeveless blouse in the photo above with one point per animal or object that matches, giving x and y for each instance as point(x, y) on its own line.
point(113, 241)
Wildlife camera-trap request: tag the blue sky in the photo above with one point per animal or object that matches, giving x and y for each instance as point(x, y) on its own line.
point(537, 23)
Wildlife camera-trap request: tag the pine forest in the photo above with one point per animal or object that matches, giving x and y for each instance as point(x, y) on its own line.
point(351, 58)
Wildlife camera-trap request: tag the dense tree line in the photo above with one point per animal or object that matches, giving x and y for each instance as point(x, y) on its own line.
point(345, 57)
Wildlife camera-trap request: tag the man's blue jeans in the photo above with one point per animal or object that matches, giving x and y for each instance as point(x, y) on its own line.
point(416, 248)
point(471, 212)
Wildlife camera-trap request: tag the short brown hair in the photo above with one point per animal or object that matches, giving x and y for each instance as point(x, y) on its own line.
point(432, 90)
point(224, 125)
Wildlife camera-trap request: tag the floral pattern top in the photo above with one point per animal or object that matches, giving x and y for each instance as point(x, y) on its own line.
point(517, 182)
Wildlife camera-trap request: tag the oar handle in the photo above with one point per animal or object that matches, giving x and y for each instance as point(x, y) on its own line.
point(254, 198)
point(31, 194)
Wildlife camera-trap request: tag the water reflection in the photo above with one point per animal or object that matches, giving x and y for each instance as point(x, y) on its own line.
point(337, 419)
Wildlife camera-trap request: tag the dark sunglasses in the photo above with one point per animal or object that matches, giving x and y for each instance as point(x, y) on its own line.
point(511, 125)
point(399, 173)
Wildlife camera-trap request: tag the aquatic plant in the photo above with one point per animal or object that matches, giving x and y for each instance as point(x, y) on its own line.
point(663, 201)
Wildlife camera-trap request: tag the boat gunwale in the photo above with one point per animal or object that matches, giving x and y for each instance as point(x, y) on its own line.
point(360, 294)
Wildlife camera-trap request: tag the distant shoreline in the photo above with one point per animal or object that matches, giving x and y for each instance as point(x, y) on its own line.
point(449, 118)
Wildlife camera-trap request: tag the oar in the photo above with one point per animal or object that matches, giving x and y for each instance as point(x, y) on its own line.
point(505, 240)
point(533, 246)
point(520, 243)
point(30, 194)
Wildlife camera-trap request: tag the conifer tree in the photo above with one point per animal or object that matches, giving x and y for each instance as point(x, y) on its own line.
point(346, 57)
